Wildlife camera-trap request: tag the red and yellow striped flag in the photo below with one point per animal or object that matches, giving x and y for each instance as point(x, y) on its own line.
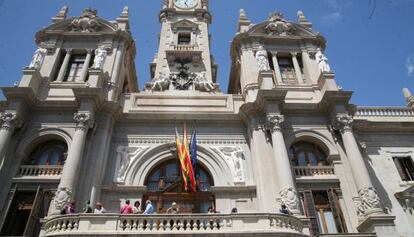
point(188, 163)
point(181, 158)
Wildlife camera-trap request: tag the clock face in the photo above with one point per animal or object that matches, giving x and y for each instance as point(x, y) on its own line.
point(185, 4)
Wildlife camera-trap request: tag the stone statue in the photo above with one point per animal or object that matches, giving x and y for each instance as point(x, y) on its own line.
point(202, 84)
point(234, 157)
point(38, 58)
point(124, 160)
point(322, 61)
point(262, 61)
point(100, 56)
point(160, 82)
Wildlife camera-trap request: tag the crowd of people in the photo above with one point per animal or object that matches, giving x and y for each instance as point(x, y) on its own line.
point(127, 209)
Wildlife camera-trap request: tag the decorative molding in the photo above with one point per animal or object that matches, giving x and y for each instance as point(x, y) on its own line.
point(159, 140)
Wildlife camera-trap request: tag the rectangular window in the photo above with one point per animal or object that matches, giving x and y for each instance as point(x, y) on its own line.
point(405, 168)
point(74, 70)
point(287, 70)
point(184, 38)
point(322, 207)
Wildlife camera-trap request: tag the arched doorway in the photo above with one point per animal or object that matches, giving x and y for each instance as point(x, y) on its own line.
point(165, 186)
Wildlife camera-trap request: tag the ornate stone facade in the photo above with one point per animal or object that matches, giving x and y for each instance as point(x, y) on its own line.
point(282, 146)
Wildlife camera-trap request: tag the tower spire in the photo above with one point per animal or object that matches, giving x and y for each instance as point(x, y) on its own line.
point(244, 22)
point(61, 14)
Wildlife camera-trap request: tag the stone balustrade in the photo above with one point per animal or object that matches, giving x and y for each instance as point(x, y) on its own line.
point(383, 112)
point(39, 170)
point(313, 170)
point(115, 224)
point(185, 47)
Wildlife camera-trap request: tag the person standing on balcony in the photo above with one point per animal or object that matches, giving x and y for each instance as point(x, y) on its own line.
point(71, 209)
point(173, 209)
point(99, 209)
point(136, 209)
point(87, 208)
point(126, 208)
point(149, 209)
point(284, 210)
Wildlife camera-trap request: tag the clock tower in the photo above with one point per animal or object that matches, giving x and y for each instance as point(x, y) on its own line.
point(183, 61)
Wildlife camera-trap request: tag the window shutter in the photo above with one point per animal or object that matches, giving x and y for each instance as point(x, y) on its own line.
point(336, 211)
point(33, 220)
point(10, 202)
point(400, 169)
point(311, 212)
point(407, 163)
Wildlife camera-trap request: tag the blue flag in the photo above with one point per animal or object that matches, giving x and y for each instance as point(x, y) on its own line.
point(193, 150)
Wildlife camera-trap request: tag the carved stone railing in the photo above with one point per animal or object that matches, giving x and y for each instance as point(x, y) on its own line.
point(383, 112)
point(39, 170)
point(114, 224)
point(185, 47)
point(301, 171)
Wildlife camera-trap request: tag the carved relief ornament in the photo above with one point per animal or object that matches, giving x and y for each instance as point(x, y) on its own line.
point(278, 26)
point(84, 121)
point(234, 156)
point(344, 122)
point(274, 122)
point(289, 197)
point(10, 120)
point(62, 197)
point(86, 23)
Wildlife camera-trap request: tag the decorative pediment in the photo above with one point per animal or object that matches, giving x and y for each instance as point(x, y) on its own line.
point(277, 26)
point(88, 22)
point(184, 25)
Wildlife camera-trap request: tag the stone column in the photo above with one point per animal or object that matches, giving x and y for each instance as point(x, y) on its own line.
point(9, 121)
point(113, 84)
point(64, 66)
point(287, 191)
point(64, 194)
point(298, 71)
point(309, 68)
point(369, 200)
point(276, 67)
point(86, 64)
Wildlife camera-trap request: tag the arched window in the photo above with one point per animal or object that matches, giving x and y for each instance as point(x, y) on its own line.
point(165, 186)
point(307, 154)
point(48, 153)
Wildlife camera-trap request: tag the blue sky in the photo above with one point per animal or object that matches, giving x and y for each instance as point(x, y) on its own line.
point(370, 42)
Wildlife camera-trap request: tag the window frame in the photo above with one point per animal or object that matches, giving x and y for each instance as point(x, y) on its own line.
point(36, 155)
point(406, 171)
point(303, 146)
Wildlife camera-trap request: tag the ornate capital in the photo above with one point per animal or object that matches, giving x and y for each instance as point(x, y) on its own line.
point(84, 121)
point(274, 122)
point(368, 202)
point(344, 122)
point(62, 197)
point(10, 120)
point(289, 197)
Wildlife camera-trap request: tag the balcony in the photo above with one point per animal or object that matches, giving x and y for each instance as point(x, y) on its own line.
point(312, 171)
point(192, 224)
point(40, 170)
